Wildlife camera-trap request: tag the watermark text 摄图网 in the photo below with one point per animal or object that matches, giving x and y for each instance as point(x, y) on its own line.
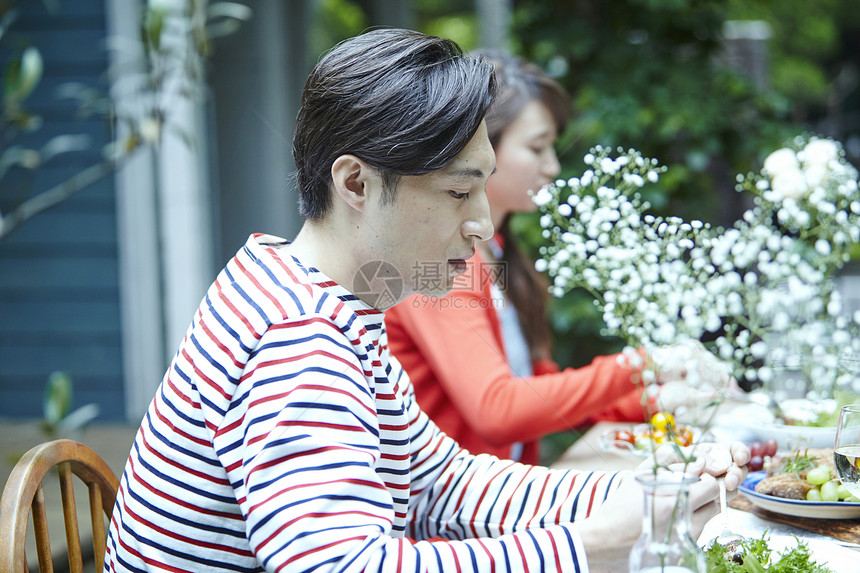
point(381, 285)
point(433, 275)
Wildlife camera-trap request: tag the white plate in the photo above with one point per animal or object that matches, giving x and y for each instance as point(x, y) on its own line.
point(608, 444)
point(796, 507)
point(752, 422)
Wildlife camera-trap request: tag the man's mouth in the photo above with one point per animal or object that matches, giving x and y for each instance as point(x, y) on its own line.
point(459, 265)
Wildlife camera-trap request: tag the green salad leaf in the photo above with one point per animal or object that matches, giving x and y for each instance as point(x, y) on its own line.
point(829, 419)
point(754, 556)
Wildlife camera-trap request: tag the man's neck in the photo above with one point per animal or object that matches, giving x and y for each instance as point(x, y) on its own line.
point(318, 247)
point(338, 256)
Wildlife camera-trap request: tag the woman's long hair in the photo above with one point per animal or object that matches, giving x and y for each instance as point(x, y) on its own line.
point(518, 83)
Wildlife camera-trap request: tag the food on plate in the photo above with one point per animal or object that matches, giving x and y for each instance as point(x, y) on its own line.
point(755, 555)
point(662, 421)
point(804, 474)
point(761, 453)
point(662, 429)
point(788, 486)
point(801, 461)
point(817, 413)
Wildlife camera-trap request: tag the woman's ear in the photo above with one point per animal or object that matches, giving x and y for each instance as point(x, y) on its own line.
point(354, 180)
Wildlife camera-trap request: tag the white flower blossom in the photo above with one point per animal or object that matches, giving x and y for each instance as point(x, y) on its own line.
point(820, 152)
point(779, 161)
point(542, 197)
point(660, 279)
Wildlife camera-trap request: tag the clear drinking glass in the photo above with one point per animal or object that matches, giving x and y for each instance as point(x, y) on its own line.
point(666, 545)
point(847, 452)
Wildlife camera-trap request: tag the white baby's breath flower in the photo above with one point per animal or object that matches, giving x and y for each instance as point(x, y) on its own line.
point(790, 184)
point(664, 278)
point(542, 197)
point(820, 152)
point(780, 161)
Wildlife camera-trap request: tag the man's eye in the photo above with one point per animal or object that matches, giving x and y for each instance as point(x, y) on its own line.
point(458, 195)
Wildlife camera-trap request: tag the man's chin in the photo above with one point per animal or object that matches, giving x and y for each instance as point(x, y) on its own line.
point(437, 292)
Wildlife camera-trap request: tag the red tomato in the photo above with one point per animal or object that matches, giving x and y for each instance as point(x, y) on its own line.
point(624, 436)
point(683, 436)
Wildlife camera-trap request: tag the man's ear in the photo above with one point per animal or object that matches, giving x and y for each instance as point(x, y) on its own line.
point(354, 180)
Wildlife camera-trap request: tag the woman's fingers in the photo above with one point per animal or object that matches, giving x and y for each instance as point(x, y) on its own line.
point(740, 453)
point(735, 477)
point(708, 458)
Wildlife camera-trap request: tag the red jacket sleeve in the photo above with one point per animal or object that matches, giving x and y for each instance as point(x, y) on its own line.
point(455, 342)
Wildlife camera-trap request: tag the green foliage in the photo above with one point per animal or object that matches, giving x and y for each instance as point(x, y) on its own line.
point(59, 418)
point(22, 76)
point(335, 20)
point(460, 28)
point(754, 556)
point(169, 70)
point(448, 19)
point(805, 39)
point(152, 27)
point(643, 74)
point(58, 398)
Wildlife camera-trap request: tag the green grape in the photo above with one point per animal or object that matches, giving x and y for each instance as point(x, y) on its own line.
point(813, 495)
point(818, 475)
point(643, 443)
point(829, 491)
point(843, 492)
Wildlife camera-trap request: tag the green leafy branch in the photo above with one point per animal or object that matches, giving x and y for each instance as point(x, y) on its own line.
point(175, 42)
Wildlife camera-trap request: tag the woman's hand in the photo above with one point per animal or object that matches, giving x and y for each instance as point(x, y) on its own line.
point(713, 459)
point(688, 376)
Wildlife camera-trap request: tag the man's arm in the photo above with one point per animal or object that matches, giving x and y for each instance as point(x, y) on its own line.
point(313, 500)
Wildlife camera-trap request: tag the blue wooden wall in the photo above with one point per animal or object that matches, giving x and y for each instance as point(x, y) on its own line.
point(59, 292)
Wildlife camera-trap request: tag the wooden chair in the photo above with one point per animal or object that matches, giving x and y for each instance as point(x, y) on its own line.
point(23, 491)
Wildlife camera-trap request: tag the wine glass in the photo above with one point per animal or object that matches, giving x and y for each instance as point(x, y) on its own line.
point(847, 452)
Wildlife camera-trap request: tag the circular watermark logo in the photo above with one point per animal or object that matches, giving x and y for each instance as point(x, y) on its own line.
point(378, 283)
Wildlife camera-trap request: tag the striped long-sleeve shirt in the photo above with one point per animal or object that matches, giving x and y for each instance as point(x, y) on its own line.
point(284, 437)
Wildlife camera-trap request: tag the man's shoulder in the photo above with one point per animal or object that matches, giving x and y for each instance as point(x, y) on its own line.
point(261, 287)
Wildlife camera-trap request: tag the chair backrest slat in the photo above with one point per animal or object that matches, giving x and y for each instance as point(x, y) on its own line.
point(40, 529)
point(70, 518)
point(23, 495)
point(97, 518)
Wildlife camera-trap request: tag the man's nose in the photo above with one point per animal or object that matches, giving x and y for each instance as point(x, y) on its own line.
point(479, 225)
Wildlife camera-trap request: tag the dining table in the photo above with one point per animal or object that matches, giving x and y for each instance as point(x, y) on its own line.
point(832, 542)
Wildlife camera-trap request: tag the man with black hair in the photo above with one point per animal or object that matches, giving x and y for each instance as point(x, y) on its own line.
point(284, 437)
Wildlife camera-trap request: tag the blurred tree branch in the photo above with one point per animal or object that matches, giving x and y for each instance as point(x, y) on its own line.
point(169, 62)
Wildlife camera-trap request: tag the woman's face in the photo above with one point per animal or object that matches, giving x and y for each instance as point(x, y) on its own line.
point(525, 160)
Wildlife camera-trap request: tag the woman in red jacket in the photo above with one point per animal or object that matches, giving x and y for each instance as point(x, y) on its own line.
point(479, 358)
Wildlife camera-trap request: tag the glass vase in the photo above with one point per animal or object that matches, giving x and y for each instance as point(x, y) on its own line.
point(666, 544)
